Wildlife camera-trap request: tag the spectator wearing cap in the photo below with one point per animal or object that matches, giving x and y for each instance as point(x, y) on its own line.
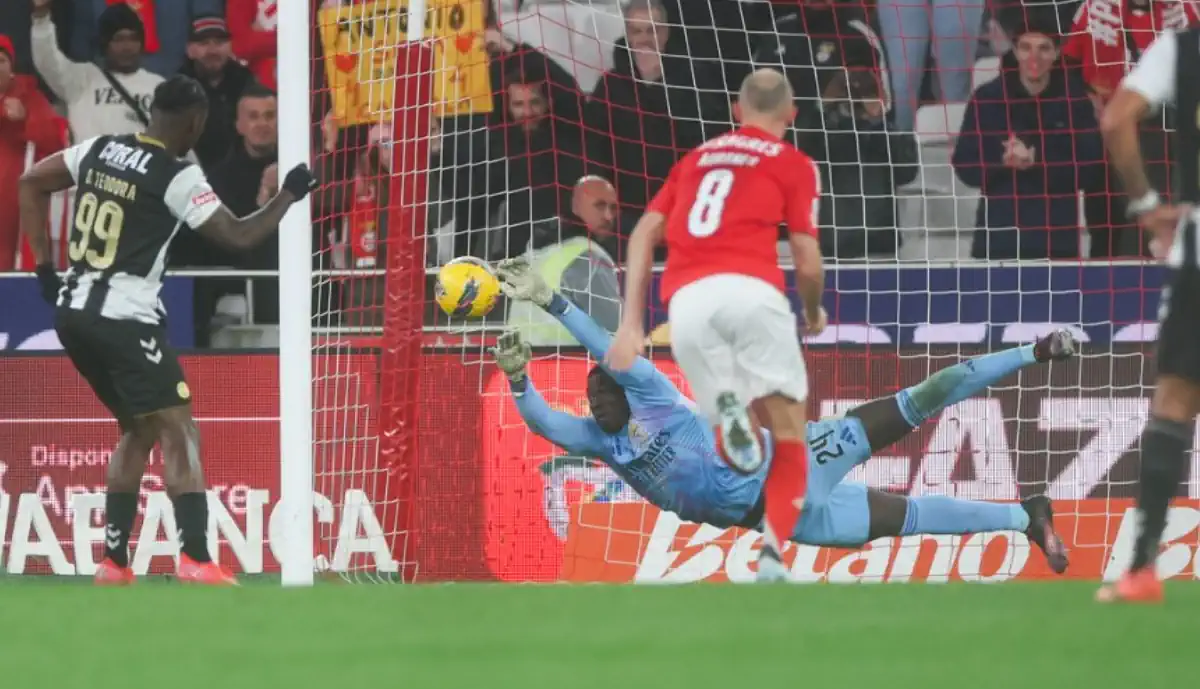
point(1030, 142)
point(211, 62)
point(112, 97)
point(26, 119)
point(253, 24)
point(167, 24)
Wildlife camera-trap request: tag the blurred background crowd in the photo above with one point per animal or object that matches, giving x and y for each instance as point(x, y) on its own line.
point(945, 130)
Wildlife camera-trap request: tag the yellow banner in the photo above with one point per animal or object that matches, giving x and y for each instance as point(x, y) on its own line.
point(360, 42)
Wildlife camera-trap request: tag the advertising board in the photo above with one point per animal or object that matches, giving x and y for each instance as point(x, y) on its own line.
point(493, 501)
point(27, 322)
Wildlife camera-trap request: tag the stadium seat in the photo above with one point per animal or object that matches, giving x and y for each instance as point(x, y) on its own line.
point(939, 123)
point(936, 214)
point(986, 69)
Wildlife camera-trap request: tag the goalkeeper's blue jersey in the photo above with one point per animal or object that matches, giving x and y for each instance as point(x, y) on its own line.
point(667, 452)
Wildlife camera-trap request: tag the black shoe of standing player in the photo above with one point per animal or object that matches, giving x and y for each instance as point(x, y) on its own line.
point(1041, 531)
point(1057, 346)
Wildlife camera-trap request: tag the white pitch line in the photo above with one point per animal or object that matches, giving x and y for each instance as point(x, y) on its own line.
point(203, 419)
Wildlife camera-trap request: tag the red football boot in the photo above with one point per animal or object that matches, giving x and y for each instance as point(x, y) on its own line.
point(108, 573)
point(207, 573)
point(1141, 586)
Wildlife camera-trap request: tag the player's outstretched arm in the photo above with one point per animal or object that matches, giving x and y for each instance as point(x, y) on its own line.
point(575, 435)
point(194, 202)
point(519, 281)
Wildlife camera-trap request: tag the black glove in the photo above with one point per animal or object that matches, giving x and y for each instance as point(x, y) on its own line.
point(299, 181)
point(50, 282)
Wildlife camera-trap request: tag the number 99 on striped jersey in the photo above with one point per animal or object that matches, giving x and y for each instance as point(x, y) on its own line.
point(96, 232)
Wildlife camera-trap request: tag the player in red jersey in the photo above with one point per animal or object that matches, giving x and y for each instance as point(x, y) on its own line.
point(733, 332)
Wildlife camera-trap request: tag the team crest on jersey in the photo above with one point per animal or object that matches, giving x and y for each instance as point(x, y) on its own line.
point(183, 391)
point(637, 433)
point(825, 51)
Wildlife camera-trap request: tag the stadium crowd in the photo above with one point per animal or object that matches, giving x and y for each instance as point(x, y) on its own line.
point(973, 123)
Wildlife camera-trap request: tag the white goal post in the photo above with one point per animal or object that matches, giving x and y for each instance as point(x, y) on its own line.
point(295, 304)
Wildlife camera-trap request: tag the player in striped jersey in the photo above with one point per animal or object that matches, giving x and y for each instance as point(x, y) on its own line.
point(1166, 75)
point(134, 195)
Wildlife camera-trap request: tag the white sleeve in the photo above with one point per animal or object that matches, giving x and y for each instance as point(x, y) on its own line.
point(191, 198)
point(65, 77)
point(1153, 77)
point(74, 156)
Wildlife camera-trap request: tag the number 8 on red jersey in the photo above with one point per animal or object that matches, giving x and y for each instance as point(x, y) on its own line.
point(724, 202)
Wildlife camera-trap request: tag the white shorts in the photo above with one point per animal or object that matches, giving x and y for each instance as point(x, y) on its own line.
point(736, 333)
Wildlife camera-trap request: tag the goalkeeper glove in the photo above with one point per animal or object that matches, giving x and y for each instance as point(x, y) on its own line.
point(512, 356)
point(519, 281)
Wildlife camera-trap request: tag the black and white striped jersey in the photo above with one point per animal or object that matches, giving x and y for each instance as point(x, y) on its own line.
point(132, 197)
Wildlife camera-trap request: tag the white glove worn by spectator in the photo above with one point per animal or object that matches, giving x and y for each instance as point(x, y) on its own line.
point(512, 355)
point(519, 281)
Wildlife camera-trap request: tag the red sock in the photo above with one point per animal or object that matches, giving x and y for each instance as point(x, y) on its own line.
point(787, 482)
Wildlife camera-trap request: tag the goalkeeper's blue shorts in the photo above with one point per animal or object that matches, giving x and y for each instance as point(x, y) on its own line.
point(835, 511)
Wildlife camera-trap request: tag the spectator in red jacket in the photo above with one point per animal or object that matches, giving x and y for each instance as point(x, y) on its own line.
point(252, 24)
point(25, 118)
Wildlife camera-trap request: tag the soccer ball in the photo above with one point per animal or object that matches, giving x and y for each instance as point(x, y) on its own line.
point(466, 288)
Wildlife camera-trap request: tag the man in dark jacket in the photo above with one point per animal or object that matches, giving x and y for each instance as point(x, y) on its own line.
point(1030, 143)
point(532, 161)
point(652, 107)
point(827, 40)
point(238, 179)
point(862, 163)
point(211, 62)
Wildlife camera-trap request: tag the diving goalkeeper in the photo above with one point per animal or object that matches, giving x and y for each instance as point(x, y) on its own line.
point(654, 439)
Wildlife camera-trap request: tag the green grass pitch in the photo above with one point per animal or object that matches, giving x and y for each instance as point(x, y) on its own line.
point(261, 636)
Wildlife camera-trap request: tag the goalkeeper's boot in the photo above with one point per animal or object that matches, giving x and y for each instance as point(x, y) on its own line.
point(1041, 531)
point(738, 441)
point(208, 573)
point(1139, 586)
point(109, 573)
point(771, 569)
point(1057, 346)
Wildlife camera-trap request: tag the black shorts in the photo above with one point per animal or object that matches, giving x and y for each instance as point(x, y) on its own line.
point(1179, 325)
point(128, 364)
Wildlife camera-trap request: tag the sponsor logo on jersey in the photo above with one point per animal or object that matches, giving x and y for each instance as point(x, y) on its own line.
point(121, 156)
point(204, 198)
point(648, 467)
